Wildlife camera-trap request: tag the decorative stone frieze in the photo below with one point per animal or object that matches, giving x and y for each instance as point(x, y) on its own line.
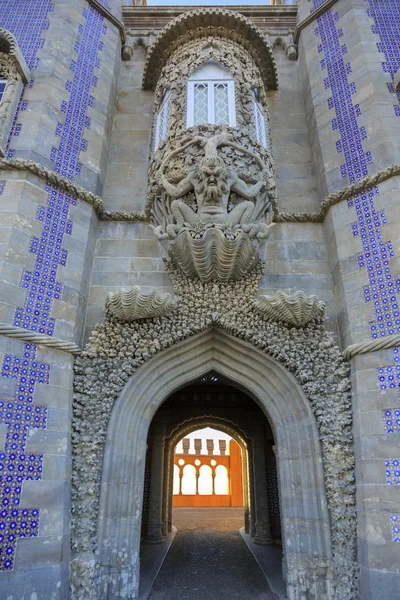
point(14, 70)
point(219, 210)
point(117, 349)
point(297, 309)
point(221, 24)
point(134, 304)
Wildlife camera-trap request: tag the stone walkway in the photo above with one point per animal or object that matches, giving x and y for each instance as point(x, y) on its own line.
point(209, 560)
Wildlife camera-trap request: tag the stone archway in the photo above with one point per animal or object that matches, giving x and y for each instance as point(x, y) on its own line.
point(305, 516)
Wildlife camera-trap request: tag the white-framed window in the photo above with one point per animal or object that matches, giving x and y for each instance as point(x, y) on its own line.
point(162, 123)
point(259, 121)
point(211, 96)
point(3, 83)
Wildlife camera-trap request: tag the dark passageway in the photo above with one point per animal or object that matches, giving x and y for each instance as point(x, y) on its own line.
point(209, 559)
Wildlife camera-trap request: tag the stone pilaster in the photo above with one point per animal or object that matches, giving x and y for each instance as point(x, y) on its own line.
point(262, 526)
point(154, 533)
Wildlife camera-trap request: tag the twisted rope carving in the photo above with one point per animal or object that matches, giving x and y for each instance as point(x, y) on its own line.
point(336, 197)
point(38, 338)
point(20, 164)
point(373, 346)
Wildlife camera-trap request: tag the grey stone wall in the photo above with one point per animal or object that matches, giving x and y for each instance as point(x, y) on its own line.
point(40, 566)
point(362, 248)
point(126, 182)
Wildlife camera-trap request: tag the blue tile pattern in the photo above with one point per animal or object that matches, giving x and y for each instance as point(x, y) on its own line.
point(316, 4)
point(41, 283)
point(392, 471)
point(391, 420)
point(386, 16)
point(375, 256)
point(389, 377)
point(395, 519)
point(350, 143)
point(21, 415)
point(27, 20)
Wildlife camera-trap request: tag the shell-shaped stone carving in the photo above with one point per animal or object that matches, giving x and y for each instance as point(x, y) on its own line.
point(297, 309)
point(133, 304)
point(211, 256)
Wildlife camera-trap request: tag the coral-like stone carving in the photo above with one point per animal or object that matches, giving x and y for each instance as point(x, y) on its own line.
point(297, 309)
point(117, 349)
point(134, 304)
point(213, 238)
point(214, 253)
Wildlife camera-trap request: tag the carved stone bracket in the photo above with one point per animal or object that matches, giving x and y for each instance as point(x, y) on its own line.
point(131, 305)
point(297, 309)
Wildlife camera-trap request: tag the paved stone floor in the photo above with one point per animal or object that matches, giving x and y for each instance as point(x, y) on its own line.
point(209, 560)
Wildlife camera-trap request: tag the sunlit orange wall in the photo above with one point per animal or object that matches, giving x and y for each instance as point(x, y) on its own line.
point(233, 463)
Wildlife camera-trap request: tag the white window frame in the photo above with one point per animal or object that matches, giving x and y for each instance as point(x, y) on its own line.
point(259, 117)
point(3, 80)
point(162, 121)
point(211, 83)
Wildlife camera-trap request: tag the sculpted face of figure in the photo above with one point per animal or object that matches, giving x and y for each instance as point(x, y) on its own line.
point(213, 186)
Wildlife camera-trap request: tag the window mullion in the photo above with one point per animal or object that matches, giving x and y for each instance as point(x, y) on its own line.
point(190, 105)
point(231, 104)
point(211, 112)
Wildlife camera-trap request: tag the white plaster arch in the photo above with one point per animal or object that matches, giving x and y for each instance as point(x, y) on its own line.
point(305, 516)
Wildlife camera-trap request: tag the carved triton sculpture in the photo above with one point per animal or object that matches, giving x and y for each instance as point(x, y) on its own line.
point(218, 237)
point(212, 182)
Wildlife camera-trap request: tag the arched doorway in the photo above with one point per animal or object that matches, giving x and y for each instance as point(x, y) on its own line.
point(211, 401)
point(304, 514)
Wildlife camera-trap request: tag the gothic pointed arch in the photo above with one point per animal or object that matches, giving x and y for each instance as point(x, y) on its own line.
point(296, 431)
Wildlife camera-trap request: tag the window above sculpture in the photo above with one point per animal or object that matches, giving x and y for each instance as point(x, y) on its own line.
point(211, 96)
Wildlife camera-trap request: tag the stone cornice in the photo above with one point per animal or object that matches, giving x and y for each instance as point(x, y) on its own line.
point(153, 18)
point(205, 22)
point(110, 17)
point(314, 15)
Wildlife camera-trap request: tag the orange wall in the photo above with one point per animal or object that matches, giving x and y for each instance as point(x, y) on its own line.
point(233, 463)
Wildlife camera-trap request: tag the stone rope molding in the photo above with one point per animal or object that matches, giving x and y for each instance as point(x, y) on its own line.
point(371, 346)
point(21, 164)
point(41, 339)
point(336, 197)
